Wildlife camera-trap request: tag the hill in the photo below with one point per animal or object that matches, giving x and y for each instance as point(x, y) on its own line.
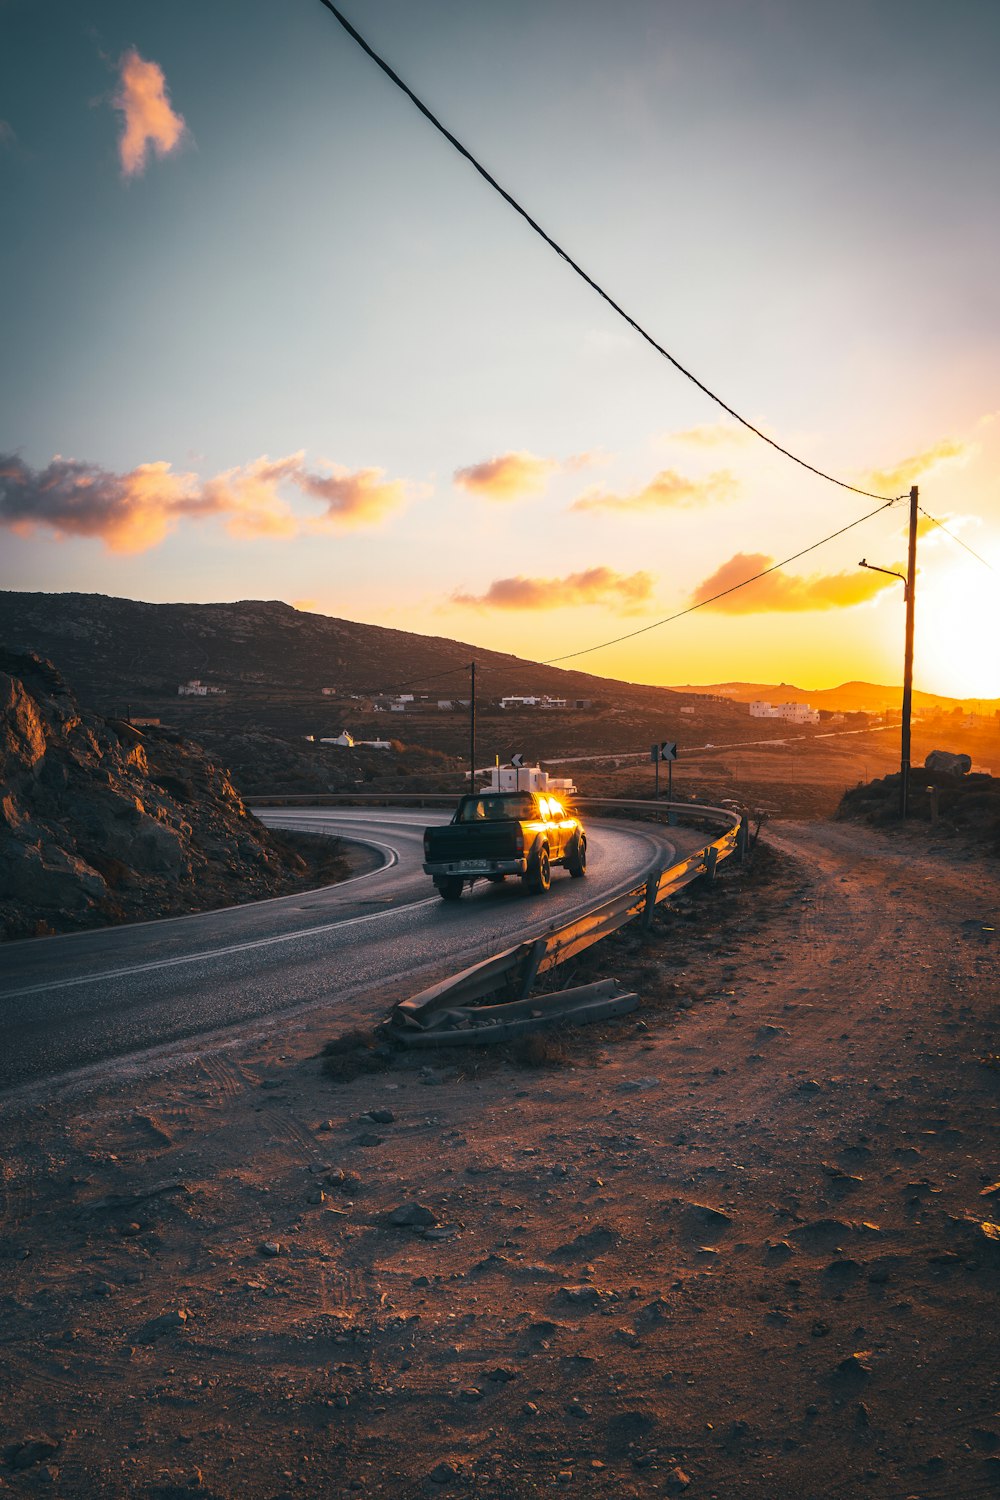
point(849, 697)
point(276, 670)
point(110, 647)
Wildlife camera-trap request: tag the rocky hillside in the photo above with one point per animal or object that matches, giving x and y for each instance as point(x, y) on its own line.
point(122, 650)
point(101, 822)
point(966, 808)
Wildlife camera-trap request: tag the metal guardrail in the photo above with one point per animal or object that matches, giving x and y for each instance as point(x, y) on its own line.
point(447, 1012)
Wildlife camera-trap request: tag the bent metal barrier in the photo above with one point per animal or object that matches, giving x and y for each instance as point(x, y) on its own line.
point(447, 1012)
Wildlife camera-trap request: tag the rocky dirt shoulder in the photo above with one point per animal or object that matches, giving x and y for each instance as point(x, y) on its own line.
point(737, 1244)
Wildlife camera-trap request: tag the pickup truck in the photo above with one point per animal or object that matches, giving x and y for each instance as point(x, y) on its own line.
point(496, 834)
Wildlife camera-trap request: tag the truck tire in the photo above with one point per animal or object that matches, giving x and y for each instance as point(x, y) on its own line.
point(576, 859)
point(539, 877)
point(450, 887)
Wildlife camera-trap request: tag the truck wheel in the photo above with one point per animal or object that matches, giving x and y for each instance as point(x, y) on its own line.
point(450, 887)
point(540, 878)
point(576, 860)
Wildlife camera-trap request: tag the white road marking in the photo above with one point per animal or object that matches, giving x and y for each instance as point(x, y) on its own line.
point(193, 958)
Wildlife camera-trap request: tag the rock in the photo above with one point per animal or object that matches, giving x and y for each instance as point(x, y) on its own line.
point(577, 1409)
point(380, 1116)
point(854, 1368)
point(371, 1139)
point(581, 1296)
point(587, 1243)
point(413, 1216)
point(444, 1473)
point(167, 1322)
point(470, 1393)
point(811, 1086)
point(529, 1409)
point(702, 1222)
point(30, 1451)
point(678, 1481)
point(638, 1085)
point(270, 1248)
point(502, 1374)
point(946, 764)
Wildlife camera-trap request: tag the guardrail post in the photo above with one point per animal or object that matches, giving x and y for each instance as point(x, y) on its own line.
point(743, 839)
point(652, 887)
point(535, 957)
point(711, 860)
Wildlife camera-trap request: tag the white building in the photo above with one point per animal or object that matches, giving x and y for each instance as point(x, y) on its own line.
point(793, 713)
point(344, 739)
point(375, 744)
point(198, 689)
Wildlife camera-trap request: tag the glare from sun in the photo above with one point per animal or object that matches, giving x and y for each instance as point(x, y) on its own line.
point(958, 632)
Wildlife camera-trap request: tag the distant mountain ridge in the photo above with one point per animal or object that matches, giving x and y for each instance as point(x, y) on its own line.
point(849, 697)
point(113, 649)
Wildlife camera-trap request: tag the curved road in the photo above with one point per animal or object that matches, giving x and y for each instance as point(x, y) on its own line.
point(86, 998)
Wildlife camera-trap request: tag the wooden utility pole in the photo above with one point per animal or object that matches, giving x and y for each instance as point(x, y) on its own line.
point(472, 727)
point(911, 583)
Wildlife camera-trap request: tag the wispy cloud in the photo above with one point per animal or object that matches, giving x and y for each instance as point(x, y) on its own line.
point(908, 471)
point(710, 435)
point(149, 121)
point(135, 510)
point(786, 592)
point(507, 476)
point(624, 593)
point(667, 490)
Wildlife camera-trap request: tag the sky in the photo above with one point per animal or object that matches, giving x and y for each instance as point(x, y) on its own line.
point(266, 335)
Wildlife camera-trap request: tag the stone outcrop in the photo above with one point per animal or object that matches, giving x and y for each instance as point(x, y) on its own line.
point(103, 822)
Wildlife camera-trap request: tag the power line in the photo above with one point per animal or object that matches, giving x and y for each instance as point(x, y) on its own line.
point(630, 635)
point(958, 539)
point(574, 265)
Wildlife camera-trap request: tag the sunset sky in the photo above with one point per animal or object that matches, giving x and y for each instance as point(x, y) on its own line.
point(267, 336)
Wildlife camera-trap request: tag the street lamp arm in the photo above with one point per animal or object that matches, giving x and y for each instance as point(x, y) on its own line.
point(889, 573)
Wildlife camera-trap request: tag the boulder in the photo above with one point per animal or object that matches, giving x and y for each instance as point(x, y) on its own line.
point(946, 763)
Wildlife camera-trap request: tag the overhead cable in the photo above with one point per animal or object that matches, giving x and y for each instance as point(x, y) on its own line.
point(941, 527)
point(574, 265)
point(631, 634)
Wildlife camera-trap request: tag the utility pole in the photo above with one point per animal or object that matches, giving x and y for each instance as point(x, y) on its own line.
point(472, 728)
point(911, 582)
point(909, 590)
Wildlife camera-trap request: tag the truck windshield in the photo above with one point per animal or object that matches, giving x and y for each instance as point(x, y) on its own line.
point(495, 809)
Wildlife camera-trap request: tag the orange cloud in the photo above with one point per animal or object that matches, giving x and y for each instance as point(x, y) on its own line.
point(134, 511)
point(249, 496)
point(786, 592)
point(149, 121)
point(666, 490)
point(625, 593)
point(129, 512)
point(362, 498)
point(908, 471)
point(508, 476)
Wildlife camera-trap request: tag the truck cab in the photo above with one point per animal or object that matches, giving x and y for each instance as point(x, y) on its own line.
point(494, 834)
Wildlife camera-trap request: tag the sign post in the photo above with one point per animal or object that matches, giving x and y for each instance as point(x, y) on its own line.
point(517, 761)
point(665, 750)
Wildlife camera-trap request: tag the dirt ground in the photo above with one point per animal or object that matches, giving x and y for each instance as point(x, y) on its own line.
point(741, 1242)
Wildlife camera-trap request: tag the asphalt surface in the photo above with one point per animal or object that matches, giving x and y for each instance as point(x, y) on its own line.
point(68, 1003)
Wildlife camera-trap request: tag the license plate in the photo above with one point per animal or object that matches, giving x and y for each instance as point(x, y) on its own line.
point(477, 864)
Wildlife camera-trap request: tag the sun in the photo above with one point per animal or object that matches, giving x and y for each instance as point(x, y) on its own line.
point(957, 649)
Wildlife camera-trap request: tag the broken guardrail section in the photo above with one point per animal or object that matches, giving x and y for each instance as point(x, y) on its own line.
point(451, 1013)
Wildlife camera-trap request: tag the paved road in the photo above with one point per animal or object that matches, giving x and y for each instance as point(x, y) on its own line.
point(73, 1001)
